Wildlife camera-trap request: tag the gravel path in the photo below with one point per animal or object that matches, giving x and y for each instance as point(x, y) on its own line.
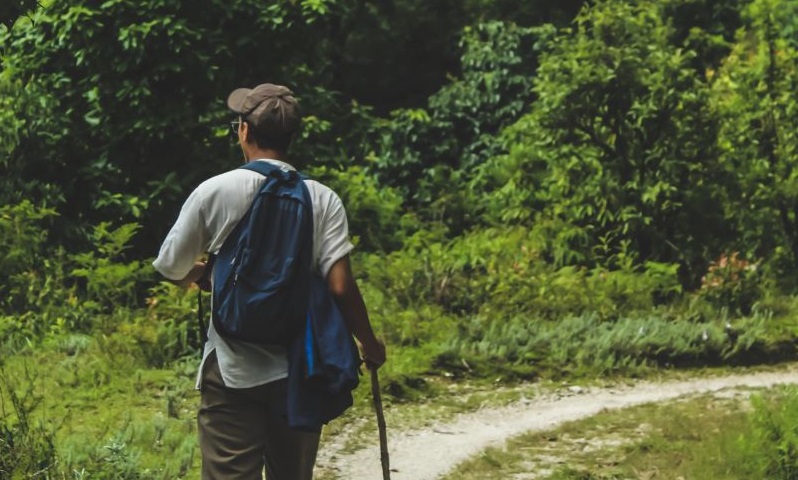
point(430, 453)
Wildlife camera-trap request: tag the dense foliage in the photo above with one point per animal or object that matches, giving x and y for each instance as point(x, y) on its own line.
point(636, 158)
point(536, 188)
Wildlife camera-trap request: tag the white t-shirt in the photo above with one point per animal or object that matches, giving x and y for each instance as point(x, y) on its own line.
point(208, 216)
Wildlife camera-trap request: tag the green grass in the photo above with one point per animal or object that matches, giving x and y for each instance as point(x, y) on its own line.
point(93, 402)
point(94, 406)
point(103, 407)
point(694, 438)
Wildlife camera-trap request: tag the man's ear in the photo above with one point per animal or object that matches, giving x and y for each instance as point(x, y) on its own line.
point(244, 126)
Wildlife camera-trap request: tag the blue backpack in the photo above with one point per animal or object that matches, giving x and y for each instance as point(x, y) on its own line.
point(261, 275)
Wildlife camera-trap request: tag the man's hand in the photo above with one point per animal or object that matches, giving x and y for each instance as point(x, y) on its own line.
point(193, 275)
point(373, 353)
point(204, 282)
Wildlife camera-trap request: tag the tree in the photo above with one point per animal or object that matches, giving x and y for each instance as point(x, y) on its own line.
point(754, 92)
point(11, 10)
point(706, 27)
point(121, 108)
point(428, 152)
point(125, 109)
point(618, 153)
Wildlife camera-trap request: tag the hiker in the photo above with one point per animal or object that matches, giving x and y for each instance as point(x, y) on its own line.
point(242, 420)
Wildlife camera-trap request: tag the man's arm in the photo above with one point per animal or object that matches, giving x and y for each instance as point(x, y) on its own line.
point(187, 239)
point(347, 295)
point(194, 275)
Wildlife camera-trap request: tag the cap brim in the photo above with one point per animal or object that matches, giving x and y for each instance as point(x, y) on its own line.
point(235, 101)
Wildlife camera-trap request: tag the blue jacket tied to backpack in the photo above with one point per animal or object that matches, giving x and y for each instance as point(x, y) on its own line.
point(262, 273)
point(323, 364)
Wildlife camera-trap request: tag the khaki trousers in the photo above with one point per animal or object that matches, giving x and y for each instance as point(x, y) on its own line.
point(243, 431)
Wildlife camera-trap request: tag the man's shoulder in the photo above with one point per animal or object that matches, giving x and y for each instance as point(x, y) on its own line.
point(321, 193)
point(240, 182)
point(230, 177)
point(225, 183)
point(316, 185)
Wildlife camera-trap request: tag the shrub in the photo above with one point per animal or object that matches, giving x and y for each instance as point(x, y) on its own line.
point(108, 281)
point(500, 272)
point(166, 331)
point(23, 228)
point(27, 446)
point(376, 216)
point(732, 282)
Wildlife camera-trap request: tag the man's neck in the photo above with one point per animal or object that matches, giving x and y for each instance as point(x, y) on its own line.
point(257, 153)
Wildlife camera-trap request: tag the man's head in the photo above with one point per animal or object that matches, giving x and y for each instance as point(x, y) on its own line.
point(271, 114)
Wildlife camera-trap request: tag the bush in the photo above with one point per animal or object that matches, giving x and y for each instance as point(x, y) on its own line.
point(108, 282)
point(732, 282)
point(23, 227)
point(500, 272)
point(166, 331)
point(27, 446)
point(377, 220)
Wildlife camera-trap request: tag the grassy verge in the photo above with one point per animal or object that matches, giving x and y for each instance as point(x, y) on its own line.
point(707, 437)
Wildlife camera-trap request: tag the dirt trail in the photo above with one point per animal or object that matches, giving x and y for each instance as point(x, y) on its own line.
point(430, 453)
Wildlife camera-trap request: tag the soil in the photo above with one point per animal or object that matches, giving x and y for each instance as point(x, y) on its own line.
point(429, 453)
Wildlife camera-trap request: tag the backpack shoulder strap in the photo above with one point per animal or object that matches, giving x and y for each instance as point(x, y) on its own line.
point(264, 168)
point(269, 169)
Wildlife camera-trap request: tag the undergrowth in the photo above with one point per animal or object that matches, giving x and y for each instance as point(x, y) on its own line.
point(95, 347)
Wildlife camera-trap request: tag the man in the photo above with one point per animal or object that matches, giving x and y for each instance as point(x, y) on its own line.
point(241, 420)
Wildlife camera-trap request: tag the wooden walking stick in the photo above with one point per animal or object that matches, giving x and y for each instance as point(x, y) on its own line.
point(375, 394)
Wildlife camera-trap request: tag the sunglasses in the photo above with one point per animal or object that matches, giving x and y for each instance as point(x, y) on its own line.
point(234, 125)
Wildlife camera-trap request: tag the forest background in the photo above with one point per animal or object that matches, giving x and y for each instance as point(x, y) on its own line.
point(537, 190)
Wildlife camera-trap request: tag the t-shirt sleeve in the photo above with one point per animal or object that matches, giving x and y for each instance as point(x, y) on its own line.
point(334, 244)
point(185, 242)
